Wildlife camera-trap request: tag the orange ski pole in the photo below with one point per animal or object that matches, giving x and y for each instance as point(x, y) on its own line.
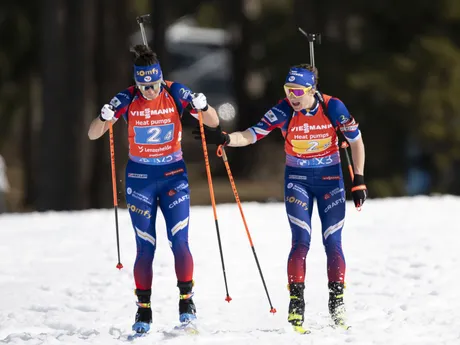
point(221, 153)
point(213, 201)
point(114, 189)
point(347, 156)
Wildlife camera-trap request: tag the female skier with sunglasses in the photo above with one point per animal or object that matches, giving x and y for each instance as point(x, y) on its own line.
point(308, 121)
point(156, 174)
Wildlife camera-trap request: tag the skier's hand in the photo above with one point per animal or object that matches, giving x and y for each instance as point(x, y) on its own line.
point(199, 101)
point(214, 135)
point(359, 190)
point(107, 113)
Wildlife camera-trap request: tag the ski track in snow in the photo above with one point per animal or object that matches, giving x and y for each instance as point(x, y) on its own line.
point(59, 284)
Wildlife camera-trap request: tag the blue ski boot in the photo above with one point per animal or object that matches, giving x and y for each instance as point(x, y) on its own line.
point(144, 311)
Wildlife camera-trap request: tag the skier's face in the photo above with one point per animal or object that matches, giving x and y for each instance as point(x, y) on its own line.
point(299, 96)
point(150, 91)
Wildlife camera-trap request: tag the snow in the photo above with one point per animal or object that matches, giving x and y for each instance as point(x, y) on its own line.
point(59, 284)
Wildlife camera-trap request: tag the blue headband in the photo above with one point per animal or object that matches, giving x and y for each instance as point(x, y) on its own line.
point(301, 76)
point(147, 74)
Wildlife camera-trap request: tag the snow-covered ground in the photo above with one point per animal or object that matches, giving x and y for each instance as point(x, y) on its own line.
point(59, 284)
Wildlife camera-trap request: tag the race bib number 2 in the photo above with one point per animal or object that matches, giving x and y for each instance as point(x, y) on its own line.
point(154, 135)
point(310, 146)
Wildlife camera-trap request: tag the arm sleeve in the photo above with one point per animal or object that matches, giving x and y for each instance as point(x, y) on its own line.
point(122, 100)
point(182, 95)
point(340, 116)
point(274, 118)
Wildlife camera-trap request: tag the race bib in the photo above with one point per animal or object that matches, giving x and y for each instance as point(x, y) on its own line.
point(311, 146)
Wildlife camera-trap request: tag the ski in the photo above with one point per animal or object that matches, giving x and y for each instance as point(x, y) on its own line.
point(301, 330)
point(186, 328)
point(342, 326)
point(134, 336)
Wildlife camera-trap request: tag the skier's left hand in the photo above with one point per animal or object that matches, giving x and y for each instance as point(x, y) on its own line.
point(359, 190)
point(199, 101)
point(213, 135)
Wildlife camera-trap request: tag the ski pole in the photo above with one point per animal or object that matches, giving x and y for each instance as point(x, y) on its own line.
point(312, 38)
point(114, 189)
point(213, 201)
point(221, 153)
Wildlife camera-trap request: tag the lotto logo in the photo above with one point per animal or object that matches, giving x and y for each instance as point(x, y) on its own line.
point(115, 102)
point(271, 116)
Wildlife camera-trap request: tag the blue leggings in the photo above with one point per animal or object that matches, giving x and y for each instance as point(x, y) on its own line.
point(301, 187)
point(148, 187)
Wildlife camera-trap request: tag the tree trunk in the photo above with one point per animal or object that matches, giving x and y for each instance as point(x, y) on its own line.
point(159, 25)
point(57, 172)
point(239, 26)
point(112, 76)
point(67, 71)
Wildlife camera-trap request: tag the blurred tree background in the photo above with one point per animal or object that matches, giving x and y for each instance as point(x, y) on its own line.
point(395, 64)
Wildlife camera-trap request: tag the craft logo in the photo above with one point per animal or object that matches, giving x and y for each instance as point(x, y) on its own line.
point(178, 201)
point(334, 204)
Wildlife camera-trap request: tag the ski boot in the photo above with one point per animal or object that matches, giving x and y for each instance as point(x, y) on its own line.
point(297, 307)
point(144, 311)
point(336, 304)
point(187, 309)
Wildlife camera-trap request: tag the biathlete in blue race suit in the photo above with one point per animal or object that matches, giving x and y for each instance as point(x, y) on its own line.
point(156, 175)
point(308, 121)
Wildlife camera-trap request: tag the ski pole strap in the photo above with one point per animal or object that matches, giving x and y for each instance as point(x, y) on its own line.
point(360, 187)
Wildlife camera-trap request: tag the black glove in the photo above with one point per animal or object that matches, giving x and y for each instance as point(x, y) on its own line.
point(359, 190)
point(214, 135)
